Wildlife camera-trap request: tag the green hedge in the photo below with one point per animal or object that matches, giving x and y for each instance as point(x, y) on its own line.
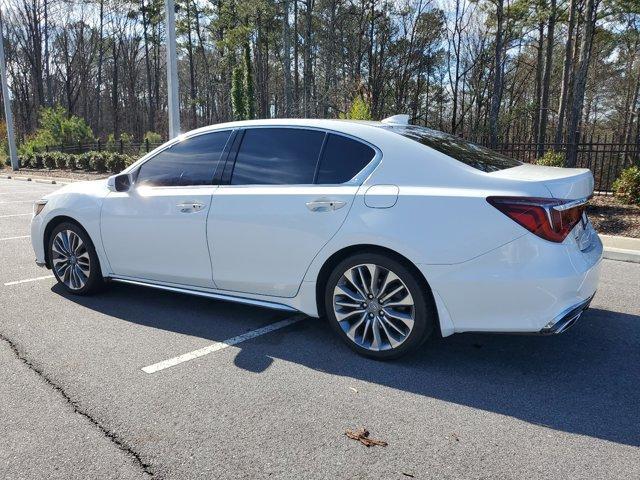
point(102, 162)
point(627, 186)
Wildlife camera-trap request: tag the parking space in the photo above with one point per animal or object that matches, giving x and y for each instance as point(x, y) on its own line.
point(261, 403)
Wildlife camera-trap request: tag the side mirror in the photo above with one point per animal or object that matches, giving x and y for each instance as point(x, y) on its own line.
point(120, 183)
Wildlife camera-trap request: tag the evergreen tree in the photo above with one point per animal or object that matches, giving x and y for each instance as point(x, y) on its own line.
point(238, 94)
point(249, 92)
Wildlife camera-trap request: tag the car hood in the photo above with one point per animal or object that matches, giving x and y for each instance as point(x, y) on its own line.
point(95, 188)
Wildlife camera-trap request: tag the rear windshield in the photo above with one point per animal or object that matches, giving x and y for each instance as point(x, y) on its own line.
point(466, 152)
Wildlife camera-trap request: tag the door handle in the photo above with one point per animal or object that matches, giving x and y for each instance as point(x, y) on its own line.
point(325, 205)
point(188, 207)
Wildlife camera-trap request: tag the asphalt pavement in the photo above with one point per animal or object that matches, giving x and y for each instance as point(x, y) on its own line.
point(75, 402)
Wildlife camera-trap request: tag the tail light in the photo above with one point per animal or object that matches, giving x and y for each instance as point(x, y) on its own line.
point(548, 218)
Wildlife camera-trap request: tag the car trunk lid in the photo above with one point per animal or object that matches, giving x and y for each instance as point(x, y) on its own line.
point(562, 183)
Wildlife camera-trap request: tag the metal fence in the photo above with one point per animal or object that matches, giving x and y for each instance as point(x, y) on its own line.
point(606, 159)
point(129, 148)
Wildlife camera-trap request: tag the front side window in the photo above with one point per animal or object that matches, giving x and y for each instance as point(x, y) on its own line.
point(466, 152)
point(342, 159)
point(277, 156)
point(193, 161)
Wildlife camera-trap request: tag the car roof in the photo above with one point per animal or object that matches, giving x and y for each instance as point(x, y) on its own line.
point(330, 124)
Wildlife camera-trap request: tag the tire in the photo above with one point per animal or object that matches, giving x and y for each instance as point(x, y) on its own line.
point(403, 320)
point(73, 259)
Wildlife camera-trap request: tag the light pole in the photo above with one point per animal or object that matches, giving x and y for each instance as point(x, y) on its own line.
point(172, 71)
point(8, 114)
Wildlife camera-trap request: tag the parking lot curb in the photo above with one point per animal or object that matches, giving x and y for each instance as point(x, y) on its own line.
point(48, 180)
point(621, 254)
point(624, 249)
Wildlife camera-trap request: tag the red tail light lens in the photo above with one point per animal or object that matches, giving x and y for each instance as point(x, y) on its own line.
point(548, 218)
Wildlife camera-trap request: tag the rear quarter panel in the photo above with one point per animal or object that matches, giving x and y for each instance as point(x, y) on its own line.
point(441, 216)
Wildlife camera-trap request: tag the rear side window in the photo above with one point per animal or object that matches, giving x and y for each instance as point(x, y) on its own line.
point(342, 159)
point(193, 161)
point(277, 156)
point(466, 152)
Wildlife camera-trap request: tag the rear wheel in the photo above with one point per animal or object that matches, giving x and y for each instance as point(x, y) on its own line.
point(73, 259)
point(379, 306)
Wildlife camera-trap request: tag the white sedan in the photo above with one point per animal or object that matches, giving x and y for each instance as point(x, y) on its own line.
point(391, 231)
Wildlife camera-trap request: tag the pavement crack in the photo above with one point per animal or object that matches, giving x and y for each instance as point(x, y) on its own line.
point(111, 436)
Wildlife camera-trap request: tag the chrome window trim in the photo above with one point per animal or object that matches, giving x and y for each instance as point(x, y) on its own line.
point(134, 169)
point(357, 180)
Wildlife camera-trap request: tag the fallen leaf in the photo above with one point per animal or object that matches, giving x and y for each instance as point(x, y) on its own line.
point(362, 436)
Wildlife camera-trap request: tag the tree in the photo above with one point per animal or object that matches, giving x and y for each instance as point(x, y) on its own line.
point(575, 113)
point(359, 110)
point(249, 93)
point(238, 96)
point(498, 75)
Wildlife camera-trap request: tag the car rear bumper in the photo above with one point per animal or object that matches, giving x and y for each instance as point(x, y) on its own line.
point(526, 286)
point(566, 319)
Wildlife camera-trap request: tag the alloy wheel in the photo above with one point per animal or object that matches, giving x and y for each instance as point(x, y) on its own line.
point(70, 259)
point(373, 307)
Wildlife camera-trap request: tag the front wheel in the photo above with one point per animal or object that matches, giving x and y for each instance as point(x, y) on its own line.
point(73, 259)
point(379, 306)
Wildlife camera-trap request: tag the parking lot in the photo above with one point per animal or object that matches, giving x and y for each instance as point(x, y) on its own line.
point(75, 401)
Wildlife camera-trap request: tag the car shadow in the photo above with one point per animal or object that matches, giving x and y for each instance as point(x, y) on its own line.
point(585, 381)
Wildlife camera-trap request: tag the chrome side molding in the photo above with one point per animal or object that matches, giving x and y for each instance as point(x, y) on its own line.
point(201, 293)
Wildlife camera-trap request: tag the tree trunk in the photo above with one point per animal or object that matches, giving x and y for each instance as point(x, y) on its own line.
point(145, 29)
point(296, 59)
point(566, 72)
point(193, 95)
point(308, 71)
point(99, 79)
point(575, 113)
point(286, 59)
point(546, 81)
point(496, 94)
point(539, 73)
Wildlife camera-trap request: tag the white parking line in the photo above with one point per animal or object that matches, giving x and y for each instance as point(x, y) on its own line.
point(16, 201)
point(27, 280)
point(15, 215)
point(14, 238)
point(171, 362)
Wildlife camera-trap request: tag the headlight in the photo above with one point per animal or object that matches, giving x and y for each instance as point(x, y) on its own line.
point(38, 206)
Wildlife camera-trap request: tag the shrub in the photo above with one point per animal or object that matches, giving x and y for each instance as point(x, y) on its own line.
point(61, 160)
point(37, 161)
point(25, 161)
point(154, 140)
point(116, 162)
point(71, 162)
point(56, 128)
point(49, 160)
point(129, 160)
point(551, 159)
point(359, 110)
point(83, 161)
point(98, 161)
point(627, 185)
